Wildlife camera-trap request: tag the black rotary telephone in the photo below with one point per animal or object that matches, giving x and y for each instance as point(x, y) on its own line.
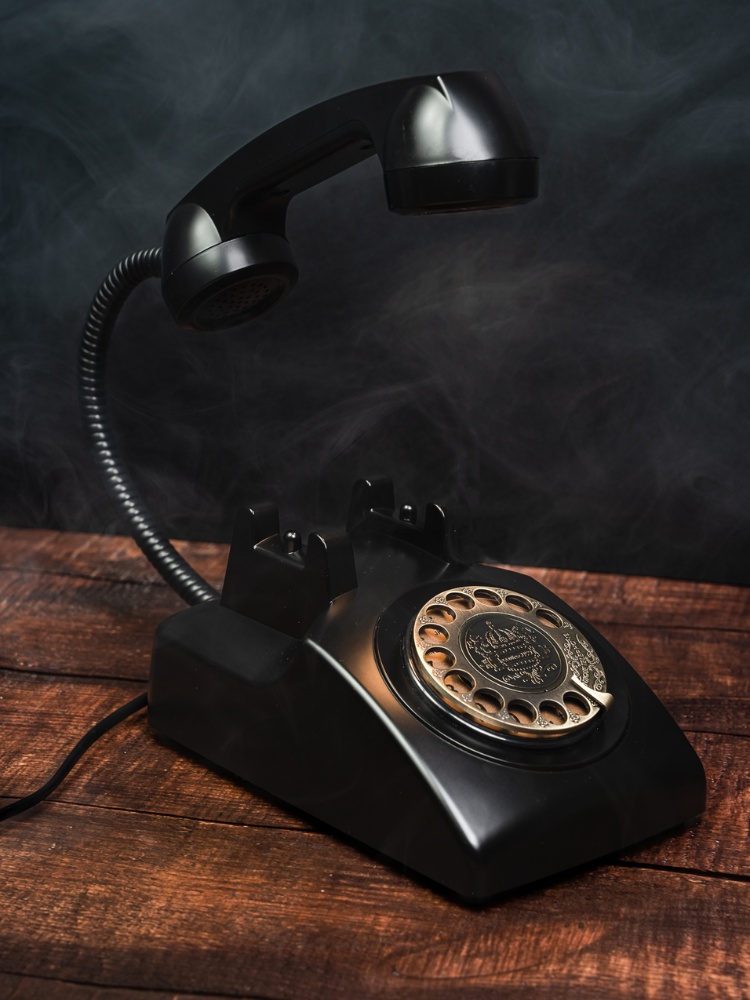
point(459, 718)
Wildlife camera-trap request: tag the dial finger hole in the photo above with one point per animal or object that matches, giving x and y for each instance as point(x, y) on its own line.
point(547, 617)
point(458, 682)
point(433, 633)
point(441, 613)
point(487, 598)
point(439, 659)
point(464, 602)
point(553, 713)
point(488, 701)
point(522, 712)
point(516, 601)
point(576, 705)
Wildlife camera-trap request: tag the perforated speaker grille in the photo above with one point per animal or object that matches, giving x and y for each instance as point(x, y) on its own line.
point(245, 298)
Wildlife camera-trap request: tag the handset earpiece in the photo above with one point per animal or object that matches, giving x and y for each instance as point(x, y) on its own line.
point(447, 143)
point(210, 284)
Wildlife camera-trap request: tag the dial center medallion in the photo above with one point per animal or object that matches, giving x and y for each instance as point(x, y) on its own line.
point(512, 652)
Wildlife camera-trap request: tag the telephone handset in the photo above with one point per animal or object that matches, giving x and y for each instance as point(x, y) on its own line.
point(461, 719)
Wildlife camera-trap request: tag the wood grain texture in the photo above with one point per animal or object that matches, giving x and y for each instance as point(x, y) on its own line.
point(36, 988)
point(602, 597)
point(720, 841)
point(100, 557)
point(97, 628)
point(72, 625)
point(151, 876)
point(175, 904)
point(701, 675)
point(42, 718)
point(646, 600)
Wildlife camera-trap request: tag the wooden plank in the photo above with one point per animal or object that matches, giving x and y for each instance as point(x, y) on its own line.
point(193, 891)
point(42, 717)
point(74, 625)
point(41, 720)
point(701, 676)
point(100, 557)
point(720, 841)
point(174, 904)
point(602, 597)
point(35, 988)
point(646, 600)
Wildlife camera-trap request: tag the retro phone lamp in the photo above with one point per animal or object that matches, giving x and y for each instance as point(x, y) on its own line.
point(461, 719)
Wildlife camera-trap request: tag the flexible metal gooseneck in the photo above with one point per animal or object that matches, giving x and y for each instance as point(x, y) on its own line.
point(97, 334)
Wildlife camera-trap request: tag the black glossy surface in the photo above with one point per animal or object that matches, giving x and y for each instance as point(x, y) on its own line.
point(446, 143)
point(458, 187)
point(417, 122)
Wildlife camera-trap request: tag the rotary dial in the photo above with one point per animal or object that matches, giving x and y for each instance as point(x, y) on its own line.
point(508, 662)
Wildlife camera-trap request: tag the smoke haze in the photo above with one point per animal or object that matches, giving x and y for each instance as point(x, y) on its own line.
point(571, 377)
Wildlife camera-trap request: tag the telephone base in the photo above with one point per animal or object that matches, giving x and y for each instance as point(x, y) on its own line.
point(335, 723)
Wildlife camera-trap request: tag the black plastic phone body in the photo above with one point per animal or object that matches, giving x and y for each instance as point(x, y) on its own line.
point(330, 719)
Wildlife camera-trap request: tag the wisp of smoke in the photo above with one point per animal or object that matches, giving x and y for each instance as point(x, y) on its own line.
point(571, 377)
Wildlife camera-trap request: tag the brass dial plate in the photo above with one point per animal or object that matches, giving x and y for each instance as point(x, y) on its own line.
point(508, 662)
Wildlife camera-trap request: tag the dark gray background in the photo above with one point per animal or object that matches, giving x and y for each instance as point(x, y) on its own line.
point(574, 373)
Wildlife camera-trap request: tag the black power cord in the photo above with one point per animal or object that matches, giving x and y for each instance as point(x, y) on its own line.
point(75, 754)
point(191, 586)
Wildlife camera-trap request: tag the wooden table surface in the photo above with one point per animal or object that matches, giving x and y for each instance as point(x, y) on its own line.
point(146, 875)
